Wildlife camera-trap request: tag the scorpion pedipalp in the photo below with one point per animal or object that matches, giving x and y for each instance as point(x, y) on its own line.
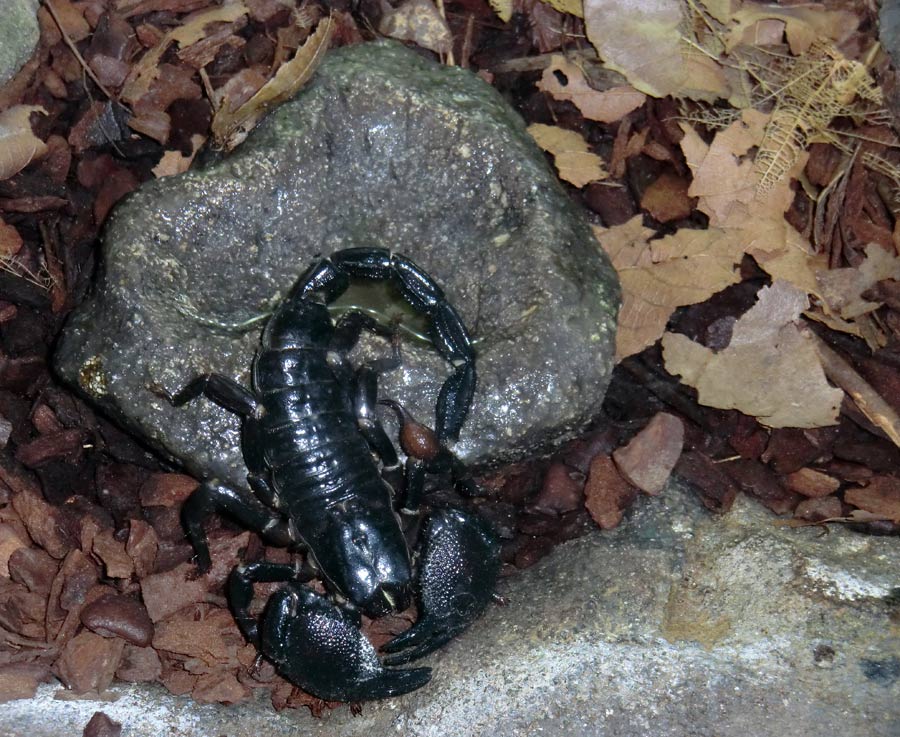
point(460, 562)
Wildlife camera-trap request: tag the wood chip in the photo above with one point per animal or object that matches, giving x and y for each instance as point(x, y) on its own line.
point(647, 461)
point(607, 494)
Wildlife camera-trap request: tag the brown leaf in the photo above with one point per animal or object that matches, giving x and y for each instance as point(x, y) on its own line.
point(659, 275)
point(418, 21)
point(770, 370)
point(642, 39)
point(142, 74)
point(574, 162)
point(71, 19)
point(647, 461)
point(565, 81)
point(803, 24)
point(667, 199)
point(231, 126)
point(174, 162)
point(881, 497)
point(18, 144)
point(842, 289)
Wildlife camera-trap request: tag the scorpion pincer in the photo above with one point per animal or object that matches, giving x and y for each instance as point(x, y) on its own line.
point(312, 443)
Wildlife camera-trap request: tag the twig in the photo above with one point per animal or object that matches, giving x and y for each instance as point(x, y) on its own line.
point(74, 49)
point(870, 403)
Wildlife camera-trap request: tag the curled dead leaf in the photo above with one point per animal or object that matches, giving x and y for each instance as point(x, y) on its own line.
point(18, 144)
point(231, 126)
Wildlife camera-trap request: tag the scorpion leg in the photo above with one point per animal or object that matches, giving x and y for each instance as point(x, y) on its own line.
point(314, 643)
point(214, 496)
point(365, 382)
point(222, 390)
point(460, 562)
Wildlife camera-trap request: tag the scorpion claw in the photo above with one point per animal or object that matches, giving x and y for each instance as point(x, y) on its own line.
point(460, 564)
point(319, 647)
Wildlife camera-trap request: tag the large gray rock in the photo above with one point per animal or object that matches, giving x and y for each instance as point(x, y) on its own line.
point(19, 34)
point(674, 624)
point(385, 149)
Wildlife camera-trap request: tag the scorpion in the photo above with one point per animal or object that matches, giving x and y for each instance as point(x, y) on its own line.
point(312, 442)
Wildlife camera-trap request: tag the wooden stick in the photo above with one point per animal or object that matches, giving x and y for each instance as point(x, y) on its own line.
point(869, 401)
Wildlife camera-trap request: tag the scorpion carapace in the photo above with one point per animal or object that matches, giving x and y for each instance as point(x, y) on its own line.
point(310, 439)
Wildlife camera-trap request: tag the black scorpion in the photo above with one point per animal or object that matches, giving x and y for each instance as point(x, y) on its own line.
point(310, 435)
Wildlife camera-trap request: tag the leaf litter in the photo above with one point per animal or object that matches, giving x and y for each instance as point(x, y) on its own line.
point(756, 241)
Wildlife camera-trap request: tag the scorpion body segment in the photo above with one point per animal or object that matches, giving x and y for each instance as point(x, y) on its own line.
point(310, 439)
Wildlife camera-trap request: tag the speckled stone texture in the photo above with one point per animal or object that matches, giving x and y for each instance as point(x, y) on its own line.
point(384, 149)
point(18, 35)
point(676, 624)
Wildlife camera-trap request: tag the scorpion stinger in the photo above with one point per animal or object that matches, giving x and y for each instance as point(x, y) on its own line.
point(309, 432)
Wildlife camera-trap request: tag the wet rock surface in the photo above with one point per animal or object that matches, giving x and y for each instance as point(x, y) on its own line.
point(676, 623)
point(18, 36)
point(384, 149)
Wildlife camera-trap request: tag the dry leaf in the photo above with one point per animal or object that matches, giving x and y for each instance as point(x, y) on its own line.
point(842, 289)
point(574, 162)
point(643, 39)
point(881, 497)
point(606, 107)
point(174, 162)
point(571, 7)
point(18, 144)
point(418, 21)
point(803, 24)
point(666, 199)
point(230, 127)
point(660, 275)
point(726, 183)
point(721, 10)
point(192, 30)
point(770, 370)
point(503, 9)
